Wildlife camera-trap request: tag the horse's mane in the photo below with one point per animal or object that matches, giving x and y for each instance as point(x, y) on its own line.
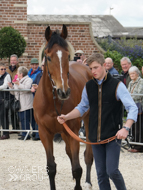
point(57, 39)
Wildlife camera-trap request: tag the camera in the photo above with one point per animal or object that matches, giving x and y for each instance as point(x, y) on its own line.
point(76, 58)
point(118, 76)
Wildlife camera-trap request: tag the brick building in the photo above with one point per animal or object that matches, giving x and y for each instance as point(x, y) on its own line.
point(81, 29)
point(14, 13)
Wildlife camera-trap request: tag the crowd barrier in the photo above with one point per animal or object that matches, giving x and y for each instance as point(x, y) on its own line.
point(13, 124)
point(136, 131)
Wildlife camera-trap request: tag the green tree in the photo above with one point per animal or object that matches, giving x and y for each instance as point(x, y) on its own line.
point(11, 42)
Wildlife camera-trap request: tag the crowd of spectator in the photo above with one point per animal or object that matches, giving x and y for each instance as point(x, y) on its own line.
point(18, 77)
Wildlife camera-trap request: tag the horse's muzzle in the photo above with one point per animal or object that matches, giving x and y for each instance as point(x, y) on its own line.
point(63, 95)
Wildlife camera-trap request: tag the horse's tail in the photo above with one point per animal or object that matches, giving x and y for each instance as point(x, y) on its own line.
point(58, 138)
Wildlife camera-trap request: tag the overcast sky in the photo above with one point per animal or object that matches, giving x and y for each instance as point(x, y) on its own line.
point(127, 12)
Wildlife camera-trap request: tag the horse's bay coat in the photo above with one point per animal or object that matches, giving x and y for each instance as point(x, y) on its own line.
point(61, 81)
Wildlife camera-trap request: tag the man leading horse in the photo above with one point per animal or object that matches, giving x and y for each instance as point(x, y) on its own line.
point(104, 96)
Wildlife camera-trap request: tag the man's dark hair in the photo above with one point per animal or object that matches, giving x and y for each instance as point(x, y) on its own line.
point(98, 57)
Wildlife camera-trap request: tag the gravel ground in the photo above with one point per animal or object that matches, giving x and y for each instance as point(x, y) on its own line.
point(23, 167)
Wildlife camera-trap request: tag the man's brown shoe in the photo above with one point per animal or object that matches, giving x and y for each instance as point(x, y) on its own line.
point(133, 150)
point(3, 137)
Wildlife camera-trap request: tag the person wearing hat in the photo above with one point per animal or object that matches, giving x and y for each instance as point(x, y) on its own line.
point(35, 69)
point(79, 56)
point(32, 73)
point(35, 136)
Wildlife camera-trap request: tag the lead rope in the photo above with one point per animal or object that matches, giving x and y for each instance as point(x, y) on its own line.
point(72, 134)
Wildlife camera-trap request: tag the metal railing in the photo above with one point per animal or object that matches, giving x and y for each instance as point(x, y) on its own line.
point(136, 130)
point(9, 117)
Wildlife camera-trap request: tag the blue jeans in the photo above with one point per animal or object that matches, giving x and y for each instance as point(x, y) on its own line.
point(106, 158)
point(27, 118)
point(36, 128)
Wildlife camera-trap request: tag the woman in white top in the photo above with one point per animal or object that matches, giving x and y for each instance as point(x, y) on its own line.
point(4, 95)
point(136, 87)
point(26, 99)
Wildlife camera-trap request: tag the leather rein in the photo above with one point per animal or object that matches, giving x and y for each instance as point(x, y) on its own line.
point(72, 134)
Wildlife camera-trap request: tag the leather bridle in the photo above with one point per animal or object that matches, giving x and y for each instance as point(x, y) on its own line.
point(53, 88)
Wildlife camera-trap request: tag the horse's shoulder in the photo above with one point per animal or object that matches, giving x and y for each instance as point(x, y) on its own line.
point(77, 66)
point(79, 69)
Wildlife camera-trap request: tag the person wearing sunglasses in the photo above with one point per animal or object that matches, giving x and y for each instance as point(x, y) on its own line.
point(79, 56)
point(4, 95)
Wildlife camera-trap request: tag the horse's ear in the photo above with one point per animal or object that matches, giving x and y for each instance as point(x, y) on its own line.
point(48, 33)
point(64, 32)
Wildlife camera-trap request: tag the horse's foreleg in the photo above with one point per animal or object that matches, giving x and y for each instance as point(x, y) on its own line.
point(88, 157)
point(51, 170)
point(76, 168)
point(47, 141)
point(68, 149)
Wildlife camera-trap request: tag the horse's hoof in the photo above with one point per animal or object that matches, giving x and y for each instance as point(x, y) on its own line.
point(88, 186)
point(77, 188)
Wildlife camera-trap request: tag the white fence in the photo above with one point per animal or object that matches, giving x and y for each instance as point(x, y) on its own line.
point(15, 120)
point(136, 130)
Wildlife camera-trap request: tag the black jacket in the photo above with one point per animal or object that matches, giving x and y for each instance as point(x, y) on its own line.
point(105, 110)
point(3, 94)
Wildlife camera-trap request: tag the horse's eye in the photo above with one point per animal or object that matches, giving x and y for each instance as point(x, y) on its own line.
point(49, 59)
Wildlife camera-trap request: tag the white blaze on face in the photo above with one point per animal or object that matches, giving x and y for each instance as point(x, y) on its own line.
point(59, 53)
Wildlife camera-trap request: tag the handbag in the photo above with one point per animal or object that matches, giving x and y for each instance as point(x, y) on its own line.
point(15, 104)
point(139, 107)
point(7, 104)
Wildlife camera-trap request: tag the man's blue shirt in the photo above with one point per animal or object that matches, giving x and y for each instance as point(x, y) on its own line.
point(122, 94)
point(37, 79)
point(113, 71)
point(33, 75)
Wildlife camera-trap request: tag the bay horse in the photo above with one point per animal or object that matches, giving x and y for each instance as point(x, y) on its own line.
point(59, 91)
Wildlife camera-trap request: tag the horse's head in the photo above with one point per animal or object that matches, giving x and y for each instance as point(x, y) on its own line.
point(57, 62)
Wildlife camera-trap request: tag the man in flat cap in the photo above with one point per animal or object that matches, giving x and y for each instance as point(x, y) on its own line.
point(32, 73)
point(35, 69)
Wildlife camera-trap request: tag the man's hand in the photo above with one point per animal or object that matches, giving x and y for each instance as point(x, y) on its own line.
point(16, 82)
point(84, 62)
point(122, 134)
point(33, 89)
point(79, 61)
point(10, 84)
point(61, 119)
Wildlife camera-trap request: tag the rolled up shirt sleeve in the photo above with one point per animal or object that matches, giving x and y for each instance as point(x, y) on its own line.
point(125, 97)
point(83, 106)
